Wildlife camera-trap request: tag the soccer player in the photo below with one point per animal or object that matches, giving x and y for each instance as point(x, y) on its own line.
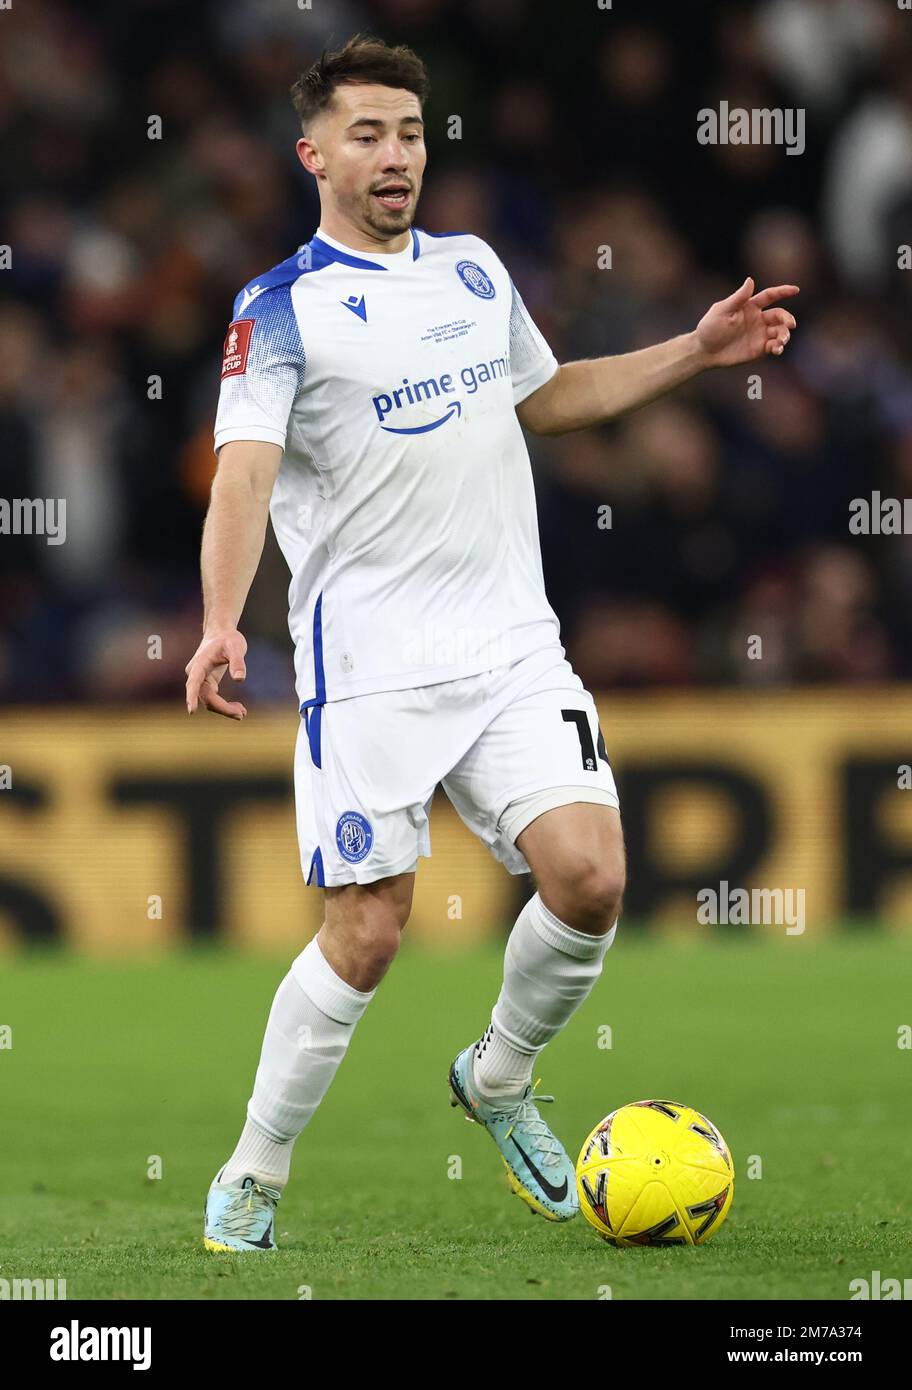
point(374, 391)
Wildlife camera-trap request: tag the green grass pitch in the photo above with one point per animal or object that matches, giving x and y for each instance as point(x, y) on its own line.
point(789, 1046)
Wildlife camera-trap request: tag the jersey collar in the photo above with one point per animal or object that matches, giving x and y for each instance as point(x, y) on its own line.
point(338, 251)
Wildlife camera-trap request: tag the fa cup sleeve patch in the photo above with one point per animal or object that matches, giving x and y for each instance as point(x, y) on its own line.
point(237, 345)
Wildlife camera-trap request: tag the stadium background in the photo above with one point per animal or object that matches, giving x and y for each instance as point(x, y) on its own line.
point(129, 830)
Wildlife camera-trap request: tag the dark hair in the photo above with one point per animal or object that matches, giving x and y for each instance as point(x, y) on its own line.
point(362, 59)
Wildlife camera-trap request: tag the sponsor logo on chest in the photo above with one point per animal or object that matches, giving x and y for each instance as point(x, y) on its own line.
point(415, 405)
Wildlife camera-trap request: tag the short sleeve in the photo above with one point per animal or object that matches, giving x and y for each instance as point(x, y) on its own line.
point(262, 368)
point(532, 362)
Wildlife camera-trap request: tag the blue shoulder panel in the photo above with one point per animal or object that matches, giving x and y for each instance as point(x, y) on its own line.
point(275, 343)
point(281, 276)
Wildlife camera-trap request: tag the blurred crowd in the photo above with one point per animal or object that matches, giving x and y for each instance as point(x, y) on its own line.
point(728, 512)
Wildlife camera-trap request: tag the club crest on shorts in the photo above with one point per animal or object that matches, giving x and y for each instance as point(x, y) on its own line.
point(354, 837)
point(474, 279)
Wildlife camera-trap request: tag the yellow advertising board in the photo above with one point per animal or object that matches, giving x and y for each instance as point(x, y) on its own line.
point(132, 830)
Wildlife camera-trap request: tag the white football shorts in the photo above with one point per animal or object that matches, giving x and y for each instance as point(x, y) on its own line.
point(506, 745)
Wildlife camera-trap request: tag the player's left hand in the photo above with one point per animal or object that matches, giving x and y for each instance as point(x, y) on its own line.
point(744, 327)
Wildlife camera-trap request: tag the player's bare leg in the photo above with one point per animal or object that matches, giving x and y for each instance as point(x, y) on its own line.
point(363, 926)
point(310, 1026)
point(553, 959)
point(576, 854)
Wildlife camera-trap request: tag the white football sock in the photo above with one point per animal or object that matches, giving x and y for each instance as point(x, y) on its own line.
point(549, 969)
point(310, 1025)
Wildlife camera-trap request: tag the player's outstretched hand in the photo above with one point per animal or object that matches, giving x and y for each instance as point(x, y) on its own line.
point(744, 326)
point(217, 653)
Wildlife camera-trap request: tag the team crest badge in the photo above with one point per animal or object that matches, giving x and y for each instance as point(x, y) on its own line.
point(474, 279)
point(354, 837)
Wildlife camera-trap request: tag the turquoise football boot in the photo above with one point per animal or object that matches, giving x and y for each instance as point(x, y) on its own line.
point(240, 1215)
point(537, 1164)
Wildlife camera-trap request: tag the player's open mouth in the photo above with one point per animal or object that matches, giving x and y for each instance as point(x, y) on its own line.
point(394, 196)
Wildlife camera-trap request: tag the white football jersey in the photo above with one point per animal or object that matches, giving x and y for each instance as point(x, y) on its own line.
point(404, 503)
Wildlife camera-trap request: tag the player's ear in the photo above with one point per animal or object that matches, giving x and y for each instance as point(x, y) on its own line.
point(309, 156)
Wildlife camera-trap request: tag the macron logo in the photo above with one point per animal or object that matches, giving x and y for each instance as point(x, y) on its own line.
point(356, 305)
point(75, 1343)
point(250, 295)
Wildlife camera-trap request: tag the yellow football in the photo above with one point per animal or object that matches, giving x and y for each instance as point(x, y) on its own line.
point(655, 1172)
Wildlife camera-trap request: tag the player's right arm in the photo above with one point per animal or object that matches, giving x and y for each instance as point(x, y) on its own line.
point(233, 537)
point(262, 372)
